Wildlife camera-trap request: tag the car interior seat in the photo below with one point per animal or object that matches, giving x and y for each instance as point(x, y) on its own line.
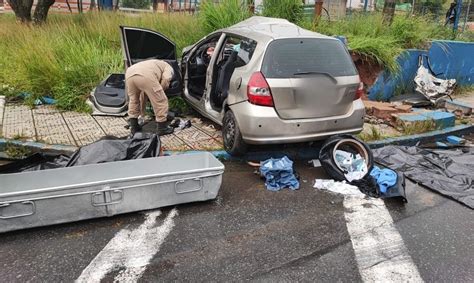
point(223, 80)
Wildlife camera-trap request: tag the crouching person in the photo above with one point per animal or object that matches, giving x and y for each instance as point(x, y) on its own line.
point(152, 77)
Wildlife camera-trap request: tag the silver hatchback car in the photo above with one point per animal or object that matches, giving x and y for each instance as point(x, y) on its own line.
point(264, 80)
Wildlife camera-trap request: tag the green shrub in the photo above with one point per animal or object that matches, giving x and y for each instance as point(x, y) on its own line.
point(214, 16)
point(371, 38)
point(292, 10)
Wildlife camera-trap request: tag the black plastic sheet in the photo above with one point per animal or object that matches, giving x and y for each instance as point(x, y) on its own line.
point(108, 149)
point(449, 172)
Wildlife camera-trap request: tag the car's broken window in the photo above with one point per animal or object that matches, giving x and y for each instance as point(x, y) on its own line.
point(287, 58)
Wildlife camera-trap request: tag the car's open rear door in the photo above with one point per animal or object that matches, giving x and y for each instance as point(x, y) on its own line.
point(139, 44)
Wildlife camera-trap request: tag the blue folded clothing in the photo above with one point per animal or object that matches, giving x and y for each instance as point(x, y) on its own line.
point(279, 174)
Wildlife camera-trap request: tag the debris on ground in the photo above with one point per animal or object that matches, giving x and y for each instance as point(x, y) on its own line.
point(456, 105)
point(347, 159)
point(455, 140)
point(384, 110)
point(279, 174)
point(447, 171)
point(337, 187)
point(433, 88)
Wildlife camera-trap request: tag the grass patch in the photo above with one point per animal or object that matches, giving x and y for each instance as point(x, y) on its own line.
point(417, 127)
point(177, 103)
point(292, 10)
point(464, 90)
point(373, 135)
point(370, 37)
point(16, 151)
point(214, 16)
point(70, 54)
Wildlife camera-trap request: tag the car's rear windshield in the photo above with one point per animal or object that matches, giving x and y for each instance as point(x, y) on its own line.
point(286, 58)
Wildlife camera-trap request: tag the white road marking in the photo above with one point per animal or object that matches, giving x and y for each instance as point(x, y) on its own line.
point(379, 249)
point(131, 250)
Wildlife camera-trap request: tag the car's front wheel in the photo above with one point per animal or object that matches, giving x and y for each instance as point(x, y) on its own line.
point(233, 142)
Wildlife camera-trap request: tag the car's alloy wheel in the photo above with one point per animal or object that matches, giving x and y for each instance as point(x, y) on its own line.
point(233, 142)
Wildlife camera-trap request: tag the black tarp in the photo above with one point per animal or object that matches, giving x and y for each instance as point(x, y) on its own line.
point(449, 172)
point(108, 149)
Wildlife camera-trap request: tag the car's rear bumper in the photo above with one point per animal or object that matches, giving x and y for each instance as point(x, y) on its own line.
point(261, 125)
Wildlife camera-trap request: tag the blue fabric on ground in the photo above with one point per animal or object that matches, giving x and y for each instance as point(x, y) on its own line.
point(385, 178)
point(278, 174)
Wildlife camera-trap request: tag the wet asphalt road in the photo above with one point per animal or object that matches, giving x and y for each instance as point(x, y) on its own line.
point(250, 233)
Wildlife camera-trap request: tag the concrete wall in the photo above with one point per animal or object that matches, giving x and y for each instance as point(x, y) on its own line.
point(454, 59)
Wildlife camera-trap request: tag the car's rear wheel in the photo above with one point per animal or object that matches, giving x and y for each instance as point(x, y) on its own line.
point(233, 142)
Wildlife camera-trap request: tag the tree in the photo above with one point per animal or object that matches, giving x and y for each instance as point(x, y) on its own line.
point(41, 11)
point(22, 10)
point(388, 11)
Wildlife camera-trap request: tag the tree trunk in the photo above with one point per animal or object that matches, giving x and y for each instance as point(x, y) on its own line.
point(22, 9)
point(41, 11)
point(155, 5)
point(69, 6)
point(388, 11)
point(92, 5)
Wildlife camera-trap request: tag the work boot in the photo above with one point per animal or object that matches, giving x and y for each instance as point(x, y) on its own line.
point(134, 126)
point(163, 129)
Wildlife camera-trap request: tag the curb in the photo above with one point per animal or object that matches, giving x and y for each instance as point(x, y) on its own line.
point(305, 153)
point(38, 146)
point(425, 137)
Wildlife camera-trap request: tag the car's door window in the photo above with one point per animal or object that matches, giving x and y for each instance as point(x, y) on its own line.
point(244, 47)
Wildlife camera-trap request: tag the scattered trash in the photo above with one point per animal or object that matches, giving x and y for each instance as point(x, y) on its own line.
point(337, 187)
point(448, 172)
point(456, 105)
point(441, 145)
point(315, 163)
point(455, 140)
point(196, 121)
point(368, 186)
point(433, 88)
point(385, 178)
point(44, 100)
point(344, 157)
point(209, 128)
point(353, 164)
point(279, 174)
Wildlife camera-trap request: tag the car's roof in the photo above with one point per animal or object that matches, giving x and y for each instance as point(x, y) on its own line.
point(267, 29)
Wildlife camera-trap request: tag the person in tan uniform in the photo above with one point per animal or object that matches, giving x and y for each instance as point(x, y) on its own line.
point(152, 77)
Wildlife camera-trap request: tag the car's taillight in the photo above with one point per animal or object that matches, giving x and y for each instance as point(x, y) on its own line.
point(258, 90)
point(360, 91)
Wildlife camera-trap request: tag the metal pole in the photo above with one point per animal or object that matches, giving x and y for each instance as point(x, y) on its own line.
point(467, 15)
point(458, 14)
point(318, 8)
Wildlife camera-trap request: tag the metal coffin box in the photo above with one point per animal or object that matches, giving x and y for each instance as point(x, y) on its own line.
point(39, 198)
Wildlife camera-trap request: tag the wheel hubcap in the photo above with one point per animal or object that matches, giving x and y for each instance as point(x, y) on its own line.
point(230, 133)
